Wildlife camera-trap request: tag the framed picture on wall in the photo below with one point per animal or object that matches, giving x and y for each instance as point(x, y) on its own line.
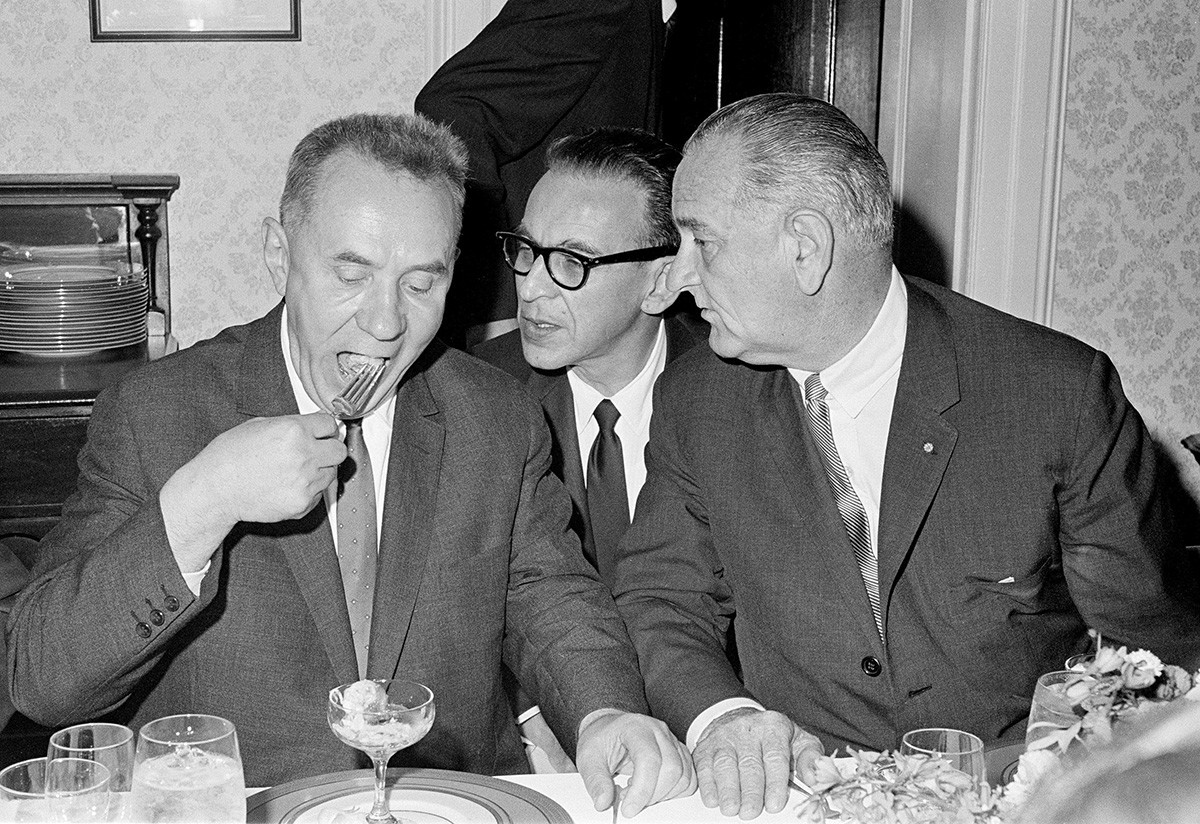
point(118, 20)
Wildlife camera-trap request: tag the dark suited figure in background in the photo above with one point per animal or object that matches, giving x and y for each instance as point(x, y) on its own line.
point(590, 258)
point(540, 70)
point(910, 504)
point(206, 563)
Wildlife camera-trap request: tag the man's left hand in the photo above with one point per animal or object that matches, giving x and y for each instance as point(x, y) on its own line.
point(613, 742)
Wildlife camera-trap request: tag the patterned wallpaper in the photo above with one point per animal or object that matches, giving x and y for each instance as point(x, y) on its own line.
point(222, 115)
point(1128, 271)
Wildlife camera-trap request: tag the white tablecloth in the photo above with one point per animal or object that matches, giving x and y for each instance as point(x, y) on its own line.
point(568, 790)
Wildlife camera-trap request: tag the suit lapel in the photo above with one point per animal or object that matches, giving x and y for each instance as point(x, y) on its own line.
point(307, 544)
point(920, 440)
point(558, 402)
point(414, 465)
point(820, 533)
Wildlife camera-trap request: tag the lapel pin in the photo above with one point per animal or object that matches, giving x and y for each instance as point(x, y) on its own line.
point(928, 447)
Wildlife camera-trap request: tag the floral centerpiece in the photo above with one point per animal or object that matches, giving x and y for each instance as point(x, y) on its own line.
point(1116, 686)
point(894, 788)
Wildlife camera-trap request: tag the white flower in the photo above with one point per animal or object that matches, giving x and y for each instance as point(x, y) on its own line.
point(1108, 660)
point(1146, 660)
point(1032, 767)
point(1194, 693)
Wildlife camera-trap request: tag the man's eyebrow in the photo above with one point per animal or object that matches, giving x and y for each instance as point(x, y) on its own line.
point(690, 223)
point(351, 257)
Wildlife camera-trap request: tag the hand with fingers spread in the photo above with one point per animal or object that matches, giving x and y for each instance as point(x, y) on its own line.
point(265, 470)
point(745, 758)
point(612, 742)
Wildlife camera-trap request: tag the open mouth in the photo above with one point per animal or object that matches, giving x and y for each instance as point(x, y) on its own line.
point(351, 363)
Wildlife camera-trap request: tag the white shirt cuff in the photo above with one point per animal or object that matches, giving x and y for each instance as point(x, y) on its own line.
point(529, 713)
point(700, 724)
point(194, 579)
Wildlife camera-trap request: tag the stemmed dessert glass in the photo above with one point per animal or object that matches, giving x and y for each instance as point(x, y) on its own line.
point(381, 717)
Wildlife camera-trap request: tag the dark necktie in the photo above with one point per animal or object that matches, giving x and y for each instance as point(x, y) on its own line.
point(854, 516)
point(356, 539)
point(608, 502)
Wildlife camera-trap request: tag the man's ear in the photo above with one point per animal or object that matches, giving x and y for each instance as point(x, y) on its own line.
point(660, 297)
point(809, 238)
point(275, 253)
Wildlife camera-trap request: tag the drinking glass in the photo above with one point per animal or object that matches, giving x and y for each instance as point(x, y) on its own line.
point(68, 789)
point(188, 769)
point(77, 790)
point(107, 744)
point(963, 750)
point(1080, 662)
point(381, 718)
point(23, 792)
point(1050, 710)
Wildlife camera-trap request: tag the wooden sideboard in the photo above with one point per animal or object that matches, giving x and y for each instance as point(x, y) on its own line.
point(46, 400)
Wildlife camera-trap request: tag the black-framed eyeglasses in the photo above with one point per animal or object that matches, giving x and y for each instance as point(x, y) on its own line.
point(567, 268)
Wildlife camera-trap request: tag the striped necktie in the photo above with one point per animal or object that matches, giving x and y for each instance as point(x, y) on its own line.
point(854, 516)
point(357, 542)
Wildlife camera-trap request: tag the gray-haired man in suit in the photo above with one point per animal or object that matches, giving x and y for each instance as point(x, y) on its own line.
point(215, 560)
point(908, 504)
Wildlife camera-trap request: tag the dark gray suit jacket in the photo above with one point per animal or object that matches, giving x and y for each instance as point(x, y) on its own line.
point(1020, 505)
point(476, 564)
point(553, 391)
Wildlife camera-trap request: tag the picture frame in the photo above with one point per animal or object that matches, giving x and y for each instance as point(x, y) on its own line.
point(140, 20)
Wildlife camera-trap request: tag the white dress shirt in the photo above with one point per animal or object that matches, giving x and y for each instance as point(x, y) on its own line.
point(377, 432)
point(635, 402)
point(862, 392)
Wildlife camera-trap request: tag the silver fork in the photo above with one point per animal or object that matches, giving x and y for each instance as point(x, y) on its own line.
point(350, 401)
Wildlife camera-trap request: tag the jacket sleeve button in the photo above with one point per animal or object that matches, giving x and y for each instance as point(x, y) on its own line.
point(171, 603)
point(143, 629)
point(156, 617)
point(871, 666)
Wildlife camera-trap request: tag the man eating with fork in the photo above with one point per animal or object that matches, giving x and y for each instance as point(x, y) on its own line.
point(327, 494)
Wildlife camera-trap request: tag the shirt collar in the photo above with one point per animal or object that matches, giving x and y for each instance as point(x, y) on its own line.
point(633, 398)
point(855, 378)
point(304, 403)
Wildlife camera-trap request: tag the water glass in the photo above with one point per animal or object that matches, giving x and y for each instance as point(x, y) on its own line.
point(107, 744)
point(1050, 710)
point(67, 789)
point(187, 768)
point(23, 792)
point(963, 750)
point(77, 790)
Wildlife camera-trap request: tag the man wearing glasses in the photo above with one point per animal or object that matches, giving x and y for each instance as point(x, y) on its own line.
point(590, 259)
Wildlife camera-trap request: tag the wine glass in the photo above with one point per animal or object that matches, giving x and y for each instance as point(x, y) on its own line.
point(187, 769)
point(107, 744)
point(381, 717)
point(963, 750)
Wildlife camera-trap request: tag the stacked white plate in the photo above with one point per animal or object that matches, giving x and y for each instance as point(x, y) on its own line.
point(68, 309)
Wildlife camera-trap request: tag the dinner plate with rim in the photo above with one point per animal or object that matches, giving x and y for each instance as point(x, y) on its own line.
point(417, 795)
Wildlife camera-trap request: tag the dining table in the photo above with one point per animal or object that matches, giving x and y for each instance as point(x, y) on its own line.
point(519, 799)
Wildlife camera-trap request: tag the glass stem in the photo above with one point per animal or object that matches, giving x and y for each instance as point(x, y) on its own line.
point(380, 812)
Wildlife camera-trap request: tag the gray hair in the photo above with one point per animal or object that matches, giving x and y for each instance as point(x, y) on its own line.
point(402, 144)
point(797, 148)
point(633, 154)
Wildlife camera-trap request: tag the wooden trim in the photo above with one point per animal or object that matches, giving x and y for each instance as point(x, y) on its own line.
point(976, 151)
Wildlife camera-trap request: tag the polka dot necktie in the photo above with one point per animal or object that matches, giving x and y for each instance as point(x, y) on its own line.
point(854, 515)
point(357, 544)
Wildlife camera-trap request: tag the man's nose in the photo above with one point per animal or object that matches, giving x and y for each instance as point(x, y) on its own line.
point(381, 314)
point(682, 274)
point(536, 283)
